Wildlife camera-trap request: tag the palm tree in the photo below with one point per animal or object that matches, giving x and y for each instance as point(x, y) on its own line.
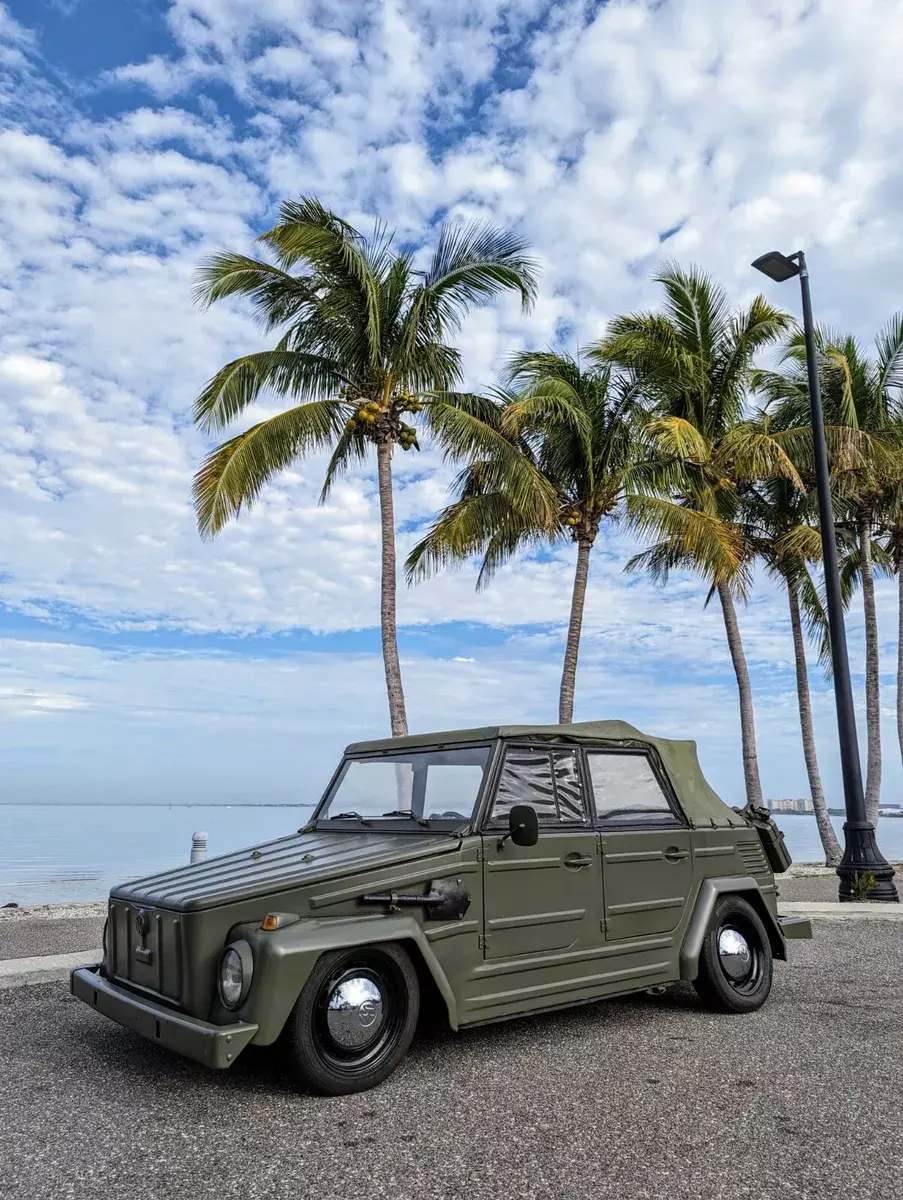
point(575, 427)
point(363, 345)
point(862, 397)
point(692, 362)
point(781, 531)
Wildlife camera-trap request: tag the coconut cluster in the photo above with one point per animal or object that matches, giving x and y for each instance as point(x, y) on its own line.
point(408, 403)
point(407, 436)
point(371, 413)
point(571, 516)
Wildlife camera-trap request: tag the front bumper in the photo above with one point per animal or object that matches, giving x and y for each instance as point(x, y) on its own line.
point(212, 1045)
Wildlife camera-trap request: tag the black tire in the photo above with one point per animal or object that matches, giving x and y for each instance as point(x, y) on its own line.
point(729, 982)
point(332, 1045)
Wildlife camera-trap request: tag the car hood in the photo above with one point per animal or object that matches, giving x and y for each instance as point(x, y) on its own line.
point(280, 865)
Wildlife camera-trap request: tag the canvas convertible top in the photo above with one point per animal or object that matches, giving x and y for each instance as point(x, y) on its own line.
point(702, 806)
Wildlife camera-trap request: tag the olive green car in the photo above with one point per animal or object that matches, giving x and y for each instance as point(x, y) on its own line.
point(480, 874)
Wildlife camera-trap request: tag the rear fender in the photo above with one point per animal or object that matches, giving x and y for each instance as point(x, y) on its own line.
point(284, 959)
point(709, 894)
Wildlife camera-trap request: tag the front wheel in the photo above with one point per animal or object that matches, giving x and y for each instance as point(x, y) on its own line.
point(355, 1018)
point(735, 963)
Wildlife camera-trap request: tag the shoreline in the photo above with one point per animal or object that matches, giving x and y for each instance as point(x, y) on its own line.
point(66, 910)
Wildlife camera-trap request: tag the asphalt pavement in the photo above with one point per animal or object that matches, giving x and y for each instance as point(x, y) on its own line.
point(641, 1098)
point(26, 938)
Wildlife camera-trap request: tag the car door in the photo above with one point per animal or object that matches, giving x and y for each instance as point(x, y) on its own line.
point(547, 897)
point(647, 867)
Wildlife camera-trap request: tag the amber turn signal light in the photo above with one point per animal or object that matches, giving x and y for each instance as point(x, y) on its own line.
point(270, 922)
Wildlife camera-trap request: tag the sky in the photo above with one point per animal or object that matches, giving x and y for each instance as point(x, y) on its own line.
point(138, 663)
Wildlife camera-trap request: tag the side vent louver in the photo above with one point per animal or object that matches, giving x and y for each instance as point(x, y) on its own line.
point(753, 857)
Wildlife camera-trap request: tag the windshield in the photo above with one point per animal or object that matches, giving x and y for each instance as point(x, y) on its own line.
point(429, 785)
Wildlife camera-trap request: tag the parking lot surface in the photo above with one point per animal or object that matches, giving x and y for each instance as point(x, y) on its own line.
point(644, 1097)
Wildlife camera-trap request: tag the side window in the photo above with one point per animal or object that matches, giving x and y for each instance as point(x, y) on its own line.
point(568, 792)
point(546, 779)
point(626, 789)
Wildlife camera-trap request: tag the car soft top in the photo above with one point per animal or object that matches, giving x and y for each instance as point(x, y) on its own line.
point(702, 806)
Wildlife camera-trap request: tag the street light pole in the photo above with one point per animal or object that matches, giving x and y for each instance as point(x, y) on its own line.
point(861, 853)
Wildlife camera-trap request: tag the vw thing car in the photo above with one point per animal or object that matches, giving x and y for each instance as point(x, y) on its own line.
point(483, 873)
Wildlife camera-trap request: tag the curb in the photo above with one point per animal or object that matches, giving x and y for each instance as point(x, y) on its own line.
point(45, 968)
point(823, 910)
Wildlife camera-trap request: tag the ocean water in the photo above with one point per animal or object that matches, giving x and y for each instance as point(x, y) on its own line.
point(59, 853)
point(51, 854)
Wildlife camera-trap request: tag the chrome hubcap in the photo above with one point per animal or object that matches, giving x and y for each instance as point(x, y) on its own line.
point(734, 954)
point(355, 1012)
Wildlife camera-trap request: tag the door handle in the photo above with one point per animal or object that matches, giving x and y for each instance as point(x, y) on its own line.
point(576, 861)
point(675, 854)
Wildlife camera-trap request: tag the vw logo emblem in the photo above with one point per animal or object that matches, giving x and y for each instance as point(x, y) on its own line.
point(367, 1013)
point(142, 923)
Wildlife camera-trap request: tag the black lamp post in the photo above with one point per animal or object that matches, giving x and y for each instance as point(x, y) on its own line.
point(861, 851)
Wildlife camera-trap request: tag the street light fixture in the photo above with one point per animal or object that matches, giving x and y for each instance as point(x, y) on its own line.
point(861, 853)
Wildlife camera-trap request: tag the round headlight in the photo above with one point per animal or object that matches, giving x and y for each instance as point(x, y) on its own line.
point(235, 970)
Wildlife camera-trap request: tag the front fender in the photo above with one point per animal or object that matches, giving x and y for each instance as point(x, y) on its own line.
point(284, 958)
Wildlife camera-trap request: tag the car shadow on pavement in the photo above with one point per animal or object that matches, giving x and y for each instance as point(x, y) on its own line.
point(265, 1070)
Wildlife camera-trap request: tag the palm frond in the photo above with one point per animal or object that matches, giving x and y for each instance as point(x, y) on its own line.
point(285, 372)
point(233, 474)
point(350, 451)
point(474, 262)
point(462, 432)
point(699, 541)
point(309, 234)
point(815, 620)
point(276, 295)
point(677, 438)
point(696, 305)
point(889, 345)
point(779, 389)
point(749, 452)
point(801, 542)
point(485, 524)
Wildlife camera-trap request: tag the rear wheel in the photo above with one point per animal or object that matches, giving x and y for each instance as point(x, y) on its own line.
point(735, 963)
point(355, 1018)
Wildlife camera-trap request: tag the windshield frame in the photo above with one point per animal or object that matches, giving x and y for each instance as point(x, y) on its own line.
point(405, 824)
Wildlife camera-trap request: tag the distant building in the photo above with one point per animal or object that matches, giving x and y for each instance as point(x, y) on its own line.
point(790, 806)
point(890, 810)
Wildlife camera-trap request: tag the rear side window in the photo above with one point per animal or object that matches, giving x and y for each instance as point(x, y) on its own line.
point(626, 788)
point(547, 779)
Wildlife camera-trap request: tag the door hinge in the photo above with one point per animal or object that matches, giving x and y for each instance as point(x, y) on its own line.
point(479, 853)
point(481, 941)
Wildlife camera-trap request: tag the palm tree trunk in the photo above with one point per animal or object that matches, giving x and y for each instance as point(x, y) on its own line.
point(900, 656)
point(872, 671)
point(572, 648)
point(388, 586)
point(830, 844)
point(747, 718)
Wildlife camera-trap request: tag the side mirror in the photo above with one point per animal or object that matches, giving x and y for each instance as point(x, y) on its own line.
point(523, 825)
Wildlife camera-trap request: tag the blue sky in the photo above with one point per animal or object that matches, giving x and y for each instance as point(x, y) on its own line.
point(137, 662)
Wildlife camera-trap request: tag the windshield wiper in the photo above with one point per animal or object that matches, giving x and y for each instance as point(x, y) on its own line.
point(406, 812)
point(347, 816)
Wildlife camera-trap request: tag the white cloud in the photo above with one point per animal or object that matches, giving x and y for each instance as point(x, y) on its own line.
point(598, 127)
